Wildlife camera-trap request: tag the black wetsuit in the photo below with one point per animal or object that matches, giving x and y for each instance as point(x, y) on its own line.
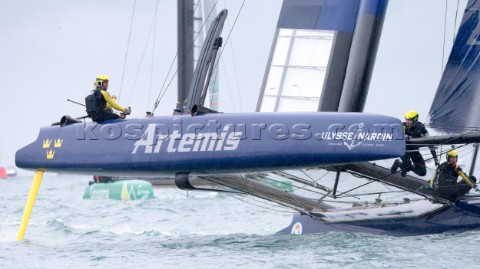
point(101, 114)
point(445, 181)
point(413, 159)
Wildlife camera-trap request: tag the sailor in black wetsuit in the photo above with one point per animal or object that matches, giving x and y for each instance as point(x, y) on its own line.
point(100, 104)
point(413, 159)
point(444, 181)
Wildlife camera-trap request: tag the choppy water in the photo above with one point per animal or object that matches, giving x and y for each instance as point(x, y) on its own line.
point(201, 230)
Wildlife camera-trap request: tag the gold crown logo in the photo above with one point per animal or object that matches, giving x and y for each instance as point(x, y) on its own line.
point(58, 143)
point(50, 154)
point(46, 143)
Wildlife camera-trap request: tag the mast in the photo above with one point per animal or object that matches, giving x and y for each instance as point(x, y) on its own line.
point(362, 55)
point(185, 47)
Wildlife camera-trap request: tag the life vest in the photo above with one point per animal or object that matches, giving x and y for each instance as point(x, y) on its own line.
point(447, 175)
point(415, 131)
point(95, 103)
point(90, 102)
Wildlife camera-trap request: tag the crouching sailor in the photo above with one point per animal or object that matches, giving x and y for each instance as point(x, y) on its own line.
point(444, 181)
point(99, 103)
point(413, 159)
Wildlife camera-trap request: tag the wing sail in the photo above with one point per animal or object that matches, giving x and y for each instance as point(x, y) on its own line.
point(322, 48)
point(456, 106)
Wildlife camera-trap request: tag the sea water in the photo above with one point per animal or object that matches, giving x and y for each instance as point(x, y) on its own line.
point(181, 229)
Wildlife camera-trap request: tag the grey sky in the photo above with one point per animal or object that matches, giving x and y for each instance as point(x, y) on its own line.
point(52, 50)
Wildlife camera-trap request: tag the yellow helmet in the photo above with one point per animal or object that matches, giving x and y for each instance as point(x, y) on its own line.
point(452, 153)
point(412, 115)
point(100, 79)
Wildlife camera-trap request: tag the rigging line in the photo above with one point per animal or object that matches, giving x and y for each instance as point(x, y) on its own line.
point(228, 86)
point(233, 26)
point(154, 20)
point(299, 209)
point(379, 181)
point(444, 36)
point(455, 22)
point(126, 51)
point(343, 194)
point(367, 183)
point(307, 188)
point(235, 72)
point(164, 89)
point(153, 59)
point(315, 191)
point(368, 178)
point(373, 193)
point(229, 33)
point(458, 69)
point(235, 196)
point(157, 101)
point(303, 187)
point(235, 75)
point(285, 204)
point(316, 181)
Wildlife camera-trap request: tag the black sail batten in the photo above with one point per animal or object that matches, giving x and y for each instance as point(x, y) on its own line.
point(456, 106)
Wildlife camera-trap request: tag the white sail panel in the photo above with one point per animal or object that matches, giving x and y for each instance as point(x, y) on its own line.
point(334, 42)
point(297, 71)
point(289, 104)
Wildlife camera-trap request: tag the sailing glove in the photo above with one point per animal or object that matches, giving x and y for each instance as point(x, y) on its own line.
point(128, 111)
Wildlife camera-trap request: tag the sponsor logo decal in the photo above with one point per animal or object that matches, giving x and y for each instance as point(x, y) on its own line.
point(154, 142)
point(297, 228)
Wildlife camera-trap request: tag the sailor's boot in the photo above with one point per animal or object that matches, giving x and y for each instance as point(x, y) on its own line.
point(397, 163)
point(404, 169)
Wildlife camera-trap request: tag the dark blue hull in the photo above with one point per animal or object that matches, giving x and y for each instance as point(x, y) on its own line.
point(463, 216)
point(213, 144)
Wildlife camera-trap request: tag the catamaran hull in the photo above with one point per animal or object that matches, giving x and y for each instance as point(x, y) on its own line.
point(213, 144)
point(463, 216)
